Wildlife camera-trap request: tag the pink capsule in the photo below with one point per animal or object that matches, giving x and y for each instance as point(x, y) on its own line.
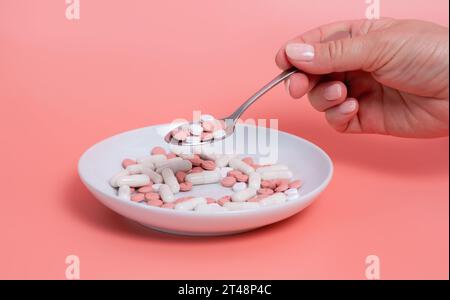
point(208, 165)
point(128, 162)
point(138, 197)
point(296, 184)
point(181, 176)
point(155, 203)
point(158, 150)
point(224, 200)
point(228, 181)
point(185, 186)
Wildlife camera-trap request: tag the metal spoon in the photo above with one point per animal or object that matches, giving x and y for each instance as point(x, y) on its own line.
point(230, 121)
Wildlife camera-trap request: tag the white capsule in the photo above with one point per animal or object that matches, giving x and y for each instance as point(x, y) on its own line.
point(239, 186)
point(113, 180)
point(276, 175)
point(190, 204)
point(219, 134)
point(272, 168)
point(224, 160)
point(164, 163)
point(207, 152)
point(209, 208)
point(166, 194)
point(224, 171)
point(124, 192)
point(244, 195)
point(134, 180)
point(151, 160)
point(206, 118)
point(291, 192)
point(135, 169)
point(196, 129)
point(293, 197)
point(156, 187)
point(176, 165)
point(154, 177)
point(238, 164)
point(205, 177)
point(241, 205)
point(171, 180)
point(276, 198)
point(254, 180)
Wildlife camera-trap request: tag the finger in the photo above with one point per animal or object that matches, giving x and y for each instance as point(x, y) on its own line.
point(327, 94)
point(299, 84)
point(344, 117)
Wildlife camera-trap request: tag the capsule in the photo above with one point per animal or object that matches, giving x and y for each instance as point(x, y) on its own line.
point(244, 195)
point(238, 164)
point(154, 177)
point(205, 177)
point(151, 160)
point(241, 205)
point(190, 204)
point(272, 168)
point(166, 194)
point(209, 208)
point(135, 169)
point(223, 160)
point(176, 164)
point(113, 180)
point(164, 163)
point(134, 180)
point(276, 198)
point(171, 180)
point(124, 192)
point(271, 175)
point(254, 180)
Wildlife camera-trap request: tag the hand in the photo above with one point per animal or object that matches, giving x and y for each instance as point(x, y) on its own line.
point(383, 76)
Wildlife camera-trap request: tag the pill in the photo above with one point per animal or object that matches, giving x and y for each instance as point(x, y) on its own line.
point(166, 194)
point(182, 199)
point(291, 191)
point(219, 134)
point(180, 175)
point(171, 155)
point(151, 160)
point(162, 164)
point(248, 160)
point(207, 118)
point(265, 191)
point(152, 196)
point(180, 135)
point(293, 197)
point(196, 129)
point(223, 160)
point(124, 192)
point(235, 206)
point(208, 126)
point(276, 198)
point(135, 169)
point(154, 177)
point(146, 189)
point(254, 180)
point(210, 200)
point(113, 180)
point(170, 180)
point(279, 182)
point(243, 195)
point(282, 187)
point(228, 181)
point(205, 177)
point(235, 173)
point(196, 161)
point(296, 184)
point(239, 186)
point(224, 171)
point(272, 168)
point(138, 197)
point(156, 203)
point(196, 170)
point(209, 208)
point(206, 136)
point(242, 178)
point(168, 205)
point(224, 200)
point(190, 204)
point(185, 186)
point(158, 150)
point(208, 165)
point(176, 165)
point(156, 187)
point(134, 180)
point(267, 184)
point(127, 162)
point(238, 164)
point(276, 175)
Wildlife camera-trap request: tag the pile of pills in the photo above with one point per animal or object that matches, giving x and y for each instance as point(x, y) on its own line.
point(207, 128)
point(161, 178)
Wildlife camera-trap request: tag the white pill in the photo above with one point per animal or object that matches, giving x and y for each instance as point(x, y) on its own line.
point(134, 180)
point(206, 118)
point(135, 169)
point(151, 160)
point(163, 164)
point(293, 197)
point(254, 180)
point(166, 194)
point(156, 187)
point(193, 139)
point(154, 177)
point(224, 160)
point(272, 168)
point(205, 177)
point(241, 205)
point(244, 195)
point(196, 129)
point(291, 192)
point(238, 164)
point(219, 134)
point(207, 152)
point(276, 175)
point(224, 171)
point(113, 180)
point(239, 186)
point(190, 204)
point(177, 165)
point(276, 198)
point(171, 180)
point(124, 192)
point(210, 208)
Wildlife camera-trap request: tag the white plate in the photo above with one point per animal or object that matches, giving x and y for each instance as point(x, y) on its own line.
point(96, 166)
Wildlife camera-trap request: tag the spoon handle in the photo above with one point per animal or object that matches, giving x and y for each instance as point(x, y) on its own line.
point(285, 74)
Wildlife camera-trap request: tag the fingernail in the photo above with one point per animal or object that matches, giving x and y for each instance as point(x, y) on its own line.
point(348, 107)
point(333, 92)
point(300, 51)
point(287, 84)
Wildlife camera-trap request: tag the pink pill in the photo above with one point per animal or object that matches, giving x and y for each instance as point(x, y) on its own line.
point(196, 170)
point(179, 200)
point(168, 205)
point(185, 186)
point(132, 189)
point(145, 189)
point(267, 184)
point(171, 155)
point(296, 184)
point(128, 162)
point(151, 196)
point(210, 200)
point(138, 197)
point(158, 150)
point(208, 165)
point(282, 187)
point(235, 173)
point(206, 136)
point(224, 200)
point(260, 197)
point(208, 126)
point(196, 161)
point(228, 181)
point(248, 160)
point(155, 203)
point(282, 182)
point(181, 176)
point(242, 178)
point(265, 191)
point(180, 135)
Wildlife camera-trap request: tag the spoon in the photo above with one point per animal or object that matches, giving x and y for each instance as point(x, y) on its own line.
point(230, 121)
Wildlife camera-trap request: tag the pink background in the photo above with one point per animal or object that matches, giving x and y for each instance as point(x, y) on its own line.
point(64, 85)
